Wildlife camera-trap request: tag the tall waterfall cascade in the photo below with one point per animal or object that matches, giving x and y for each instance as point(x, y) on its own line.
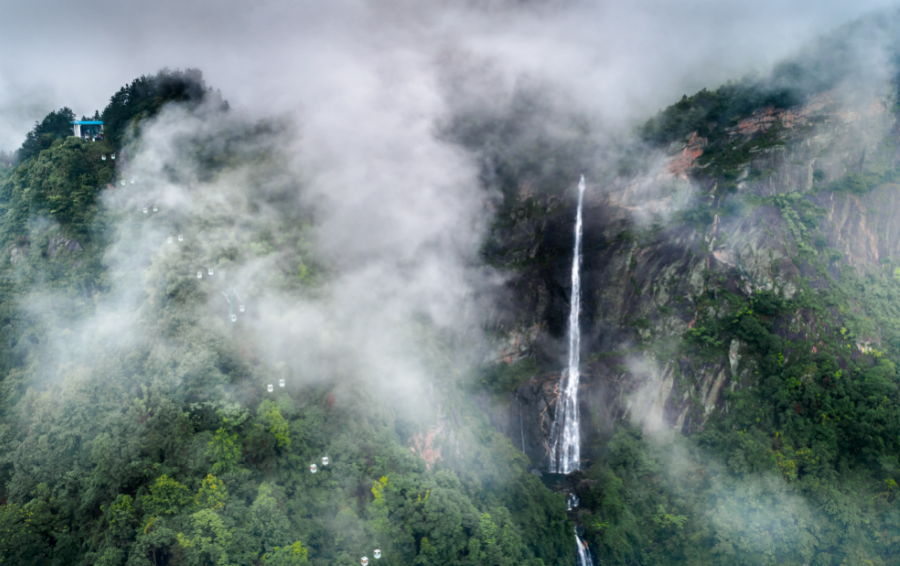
point(584, 553)
point(565, 442)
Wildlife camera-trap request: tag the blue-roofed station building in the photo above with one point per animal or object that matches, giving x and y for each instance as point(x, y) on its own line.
point(88, 129)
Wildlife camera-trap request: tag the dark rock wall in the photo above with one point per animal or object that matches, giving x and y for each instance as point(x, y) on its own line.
point(645, 264)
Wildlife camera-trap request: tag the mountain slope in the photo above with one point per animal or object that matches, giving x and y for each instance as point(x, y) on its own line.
point(137, 427)
point(739, 398)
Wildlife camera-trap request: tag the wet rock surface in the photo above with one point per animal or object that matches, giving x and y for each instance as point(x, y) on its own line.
point(643, 279)
point(58, 243)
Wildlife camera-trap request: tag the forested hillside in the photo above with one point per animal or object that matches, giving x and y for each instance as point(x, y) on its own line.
point(137, 425)
point(740, 327)
point(189, 376)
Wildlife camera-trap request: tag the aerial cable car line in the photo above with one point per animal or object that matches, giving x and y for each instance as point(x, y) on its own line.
point(232, 317)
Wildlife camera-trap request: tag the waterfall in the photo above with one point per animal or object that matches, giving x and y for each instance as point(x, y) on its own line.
point(584, 553)
point(565, 443)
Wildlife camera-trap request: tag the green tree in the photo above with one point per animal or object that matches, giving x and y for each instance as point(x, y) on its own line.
point(224, 450)
point(292, 555)
point(122, 517)
point(277, 425)
point(145, 96)
point(167, 497)
point(19, 541)
point(207, 540)
point(267, 521)
point(212, 493)
point(55, 125)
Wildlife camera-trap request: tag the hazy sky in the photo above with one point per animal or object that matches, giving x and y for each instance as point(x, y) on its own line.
point(621, 58)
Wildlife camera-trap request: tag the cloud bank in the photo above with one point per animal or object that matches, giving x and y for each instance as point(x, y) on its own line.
point(624, 59)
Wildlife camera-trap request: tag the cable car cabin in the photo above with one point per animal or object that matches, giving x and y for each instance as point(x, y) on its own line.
point(88, 129)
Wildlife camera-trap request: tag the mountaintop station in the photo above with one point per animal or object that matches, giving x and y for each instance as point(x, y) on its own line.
point(87, 129)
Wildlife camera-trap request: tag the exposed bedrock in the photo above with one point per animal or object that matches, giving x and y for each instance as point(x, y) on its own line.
point(647, 263)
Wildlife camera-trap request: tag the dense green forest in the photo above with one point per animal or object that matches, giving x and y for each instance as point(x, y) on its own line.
point(798, 463)
point(137, 426)
point(135, 423)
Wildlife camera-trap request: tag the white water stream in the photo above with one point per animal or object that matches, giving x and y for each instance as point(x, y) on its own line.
point(565, 444)
point(584, 555)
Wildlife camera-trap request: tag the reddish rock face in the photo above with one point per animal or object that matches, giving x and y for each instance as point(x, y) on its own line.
point(762, 120)
point(632, 274)
point(680, 164)
point(423, 445)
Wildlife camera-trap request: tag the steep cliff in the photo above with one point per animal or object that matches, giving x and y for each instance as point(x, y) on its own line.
point(772, 202)
point(729, 286)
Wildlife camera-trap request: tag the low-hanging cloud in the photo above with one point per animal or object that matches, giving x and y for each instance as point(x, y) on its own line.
point(364, 87)
point(389, 215)
point(358, 97)
point(627, 58)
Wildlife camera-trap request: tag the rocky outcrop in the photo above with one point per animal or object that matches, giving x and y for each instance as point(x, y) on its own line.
point(423, 445)
point(681, 164)
point(647, 264)
point(18, 253)
point(58, 243)
point(513, 345)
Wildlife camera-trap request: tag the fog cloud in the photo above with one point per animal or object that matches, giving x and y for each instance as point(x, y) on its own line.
point(622, 58)
point(355, 174)
point(360, 90)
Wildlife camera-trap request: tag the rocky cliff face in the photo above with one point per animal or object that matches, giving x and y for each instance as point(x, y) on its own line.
point(734, 215)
